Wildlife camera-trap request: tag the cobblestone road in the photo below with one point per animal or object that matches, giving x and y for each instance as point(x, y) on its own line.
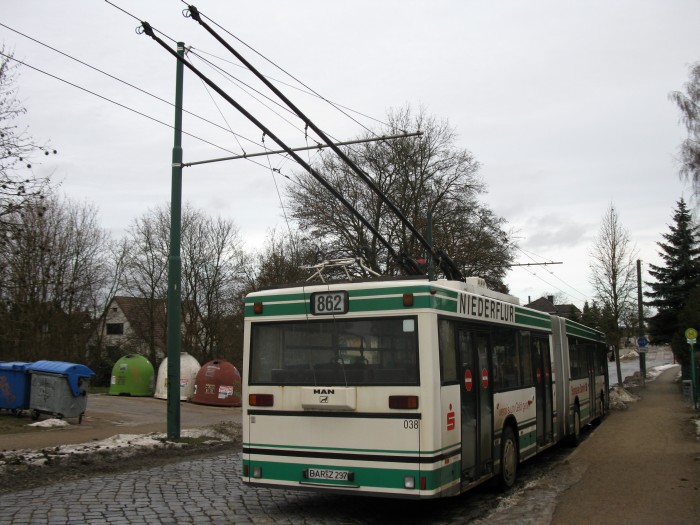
point(209, 490)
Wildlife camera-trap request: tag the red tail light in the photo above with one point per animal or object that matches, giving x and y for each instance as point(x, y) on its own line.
point(403, 402)
point(261, 400)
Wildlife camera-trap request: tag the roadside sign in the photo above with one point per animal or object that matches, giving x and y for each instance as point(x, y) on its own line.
point(691, 341)
point(691, 333)
point(642, 342)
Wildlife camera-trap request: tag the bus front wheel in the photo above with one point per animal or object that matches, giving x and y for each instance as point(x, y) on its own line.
point(509, 459)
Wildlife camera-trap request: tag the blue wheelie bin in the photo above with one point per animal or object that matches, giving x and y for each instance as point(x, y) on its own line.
point(59, 389)
point(14, 386)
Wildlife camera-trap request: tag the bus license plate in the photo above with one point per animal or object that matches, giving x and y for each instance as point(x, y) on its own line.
point(326, 474)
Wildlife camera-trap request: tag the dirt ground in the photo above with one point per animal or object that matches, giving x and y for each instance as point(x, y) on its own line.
point(38, 457)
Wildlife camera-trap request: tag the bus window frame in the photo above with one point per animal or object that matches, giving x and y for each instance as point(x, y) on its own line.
point(251, 379)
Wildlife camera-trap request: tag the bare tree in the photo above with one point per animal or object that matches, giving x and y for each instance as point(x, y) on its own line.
point(145, 276)
point(689, 104)
point(613, 274)
point(284, 259)
point(418, 174)
point(53, 271)
point(19, 187)
point(213, 263)
point(213, 268)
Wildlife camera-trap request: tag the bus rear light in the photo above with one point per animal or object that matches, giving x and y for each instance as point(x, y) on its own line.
point(257, 472)
point(423, 483)
point(261, 400)
point(403, 402)
point(408, 299)
point(409, 482)
point(258, 307)
point(245, 471)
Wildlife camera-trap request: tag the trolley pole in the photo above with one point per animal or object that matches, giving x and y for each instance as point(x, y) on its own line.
point(174, 262)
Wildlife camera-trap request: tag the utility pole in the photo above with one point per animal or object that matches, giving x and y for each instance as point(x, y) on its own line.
point(174, 262)
point(641, 341)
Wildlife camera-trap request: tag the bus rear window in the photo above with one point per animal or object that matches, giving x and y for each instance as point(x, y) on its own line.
point(335, 352)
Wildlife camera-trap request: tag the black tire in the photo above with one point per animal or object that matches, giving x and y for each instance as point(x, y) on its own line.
point(575, 437)
point(602, 412)
point(509, 459)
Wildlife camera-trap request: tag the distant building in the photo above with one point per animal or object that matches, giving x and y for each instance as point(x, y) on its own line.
point(546, 304)
point(136, 325)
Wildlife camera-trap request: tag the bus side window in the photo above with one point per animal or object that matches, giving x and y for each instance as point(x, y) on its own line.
point(448, 352)
point(506, 359)
point(525, 351)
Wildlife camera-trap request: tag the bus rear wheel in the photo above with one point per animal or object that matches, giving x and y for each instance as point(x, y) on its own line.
point(509, 459)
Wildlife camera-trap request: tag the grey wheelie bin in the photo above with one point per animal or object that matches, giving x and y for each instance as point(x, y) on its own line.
point(14, 386)
point(59, 389)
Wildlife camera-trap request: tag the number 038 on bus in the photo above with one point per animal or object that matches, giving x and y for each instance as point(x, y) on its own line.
point(409, 388)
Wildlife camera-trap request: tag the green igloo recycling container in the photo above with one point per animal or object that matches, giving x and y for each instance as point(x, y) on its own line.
point(132, 375)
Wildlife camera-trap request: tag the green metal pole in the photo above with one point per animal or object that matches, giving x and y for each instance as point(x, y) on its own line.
point(431, 262)
point(693, 375)
point(175, 263)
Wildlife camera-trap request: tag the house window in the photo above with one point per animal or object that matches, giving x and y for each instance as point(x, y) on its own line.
point(115, 328)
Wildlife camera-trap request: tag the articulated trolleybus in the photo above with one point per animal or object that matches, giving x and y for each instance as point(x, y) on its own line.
point(409, 388)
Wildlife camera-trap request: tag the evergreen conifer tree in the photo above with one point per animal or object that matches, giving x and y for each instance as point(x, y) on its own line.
point(675, 279)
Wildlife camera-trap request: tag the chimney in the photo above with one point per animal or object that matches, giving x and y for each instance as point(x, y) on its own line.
point(550, 298)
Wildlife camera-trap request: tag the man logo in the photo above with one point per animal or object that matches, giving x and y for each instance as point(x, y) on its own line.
point(323, 399)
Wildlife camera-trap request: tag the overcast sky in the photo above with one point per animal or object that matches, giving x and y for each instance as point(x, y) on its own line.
point(564, 103)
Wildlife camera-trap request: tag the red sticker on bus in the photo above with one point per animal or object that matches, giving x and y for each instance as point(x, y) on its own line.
point(539, 375)
point(451, 419)
point(468, 379)
point(484, 378)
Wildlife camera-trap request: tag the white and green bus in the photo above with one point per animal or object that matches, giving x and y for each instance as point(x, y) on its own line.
point(409, 388)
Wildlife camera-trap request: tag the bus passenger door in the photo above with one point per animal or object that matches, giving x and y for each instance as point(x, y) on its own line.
point(477, 419)
point(543, 388)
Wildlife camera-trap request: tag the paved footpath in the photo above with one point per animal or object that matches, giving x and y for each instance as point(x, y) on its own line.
point(642, 465)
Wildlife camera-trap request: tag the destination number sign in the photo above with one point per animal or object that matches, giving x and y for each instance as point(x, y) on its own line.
point(329, 303)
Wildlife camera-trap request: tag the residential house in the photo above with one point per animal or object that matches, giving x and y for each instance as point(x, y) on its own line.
point(136, 325)
point(546, 304)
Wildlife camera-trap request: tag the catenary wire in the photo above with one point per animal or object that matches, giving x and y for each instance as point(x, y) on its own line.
point(286, 72)
point(141, 90)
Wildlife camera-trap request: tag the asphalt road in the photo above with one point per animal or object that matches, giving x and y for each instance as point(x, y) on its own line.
point(106, 416)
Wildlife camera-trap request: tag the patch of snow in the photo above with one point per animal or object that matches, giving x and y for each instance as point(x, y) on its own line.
point(49, 423)
point(620, 397)
point(632, 354)
point(653, 373)
point(125, 445)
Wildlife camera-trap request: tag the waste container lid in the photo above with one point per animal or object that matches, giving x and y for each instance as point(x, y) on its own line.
point(19, 366)
point(72, 371)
